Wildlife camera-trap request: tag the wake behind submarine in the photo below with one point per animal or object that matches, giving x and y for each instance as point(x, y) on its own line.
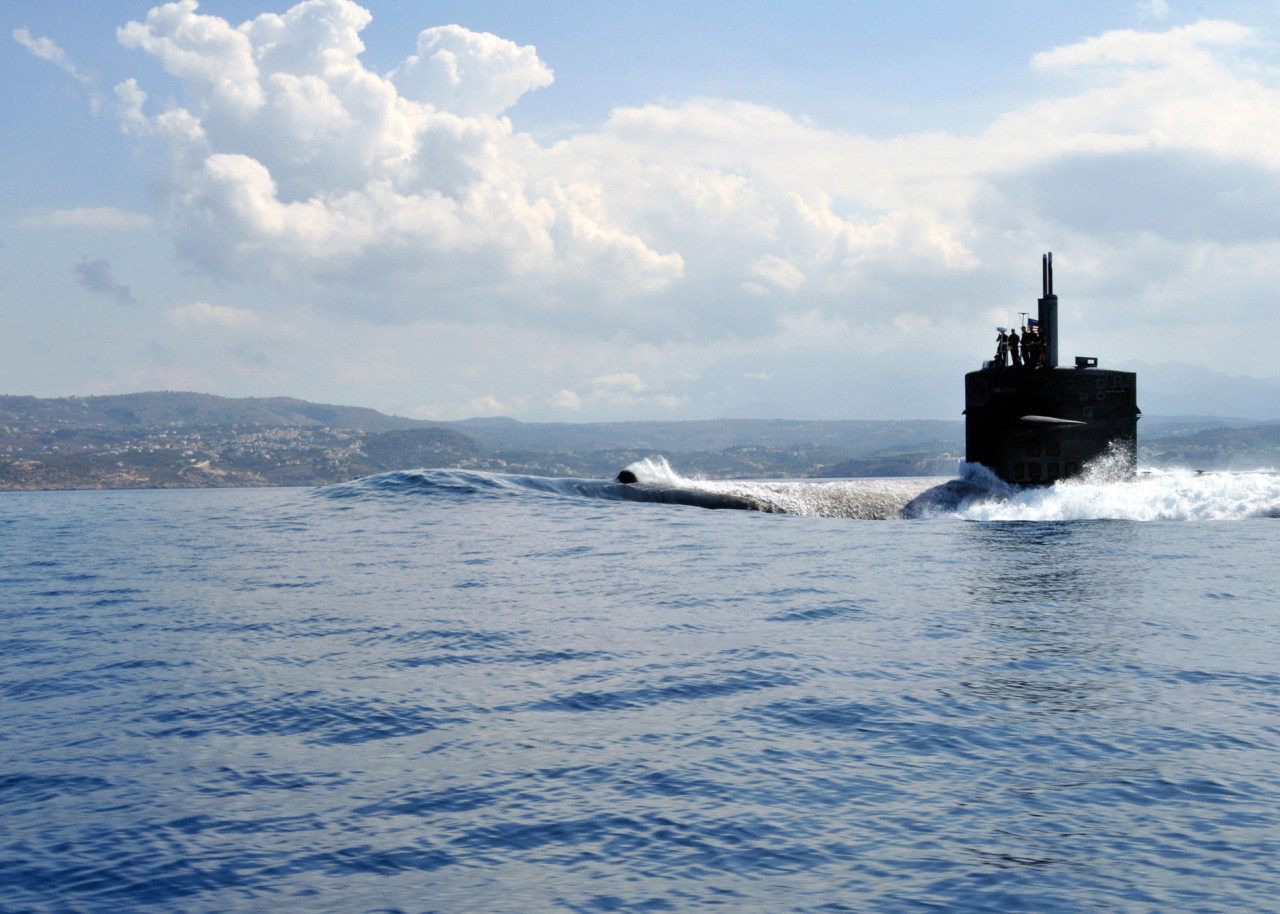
point(1032, 422)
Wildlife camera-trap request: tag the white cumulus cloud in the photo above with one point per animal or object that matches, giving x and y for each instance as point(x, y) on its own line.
point(488, 406)
point(203, 314)
point(469, 73)
point(1127, 47)
point(566, 400)
point(776, 272)
point(620, 390)
point(289, 158)
point(411, 196)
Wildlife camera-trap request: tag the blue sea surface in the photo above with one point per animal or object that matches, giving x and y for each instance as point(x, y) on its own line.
point(444, 691)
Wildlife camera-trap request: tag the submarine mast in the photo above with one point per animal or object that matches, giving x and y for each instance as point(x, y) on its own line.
point(1048, 311)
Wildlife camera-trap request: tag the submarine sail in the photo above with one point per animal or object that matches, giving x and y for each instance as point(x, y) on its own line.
point(1032, 422)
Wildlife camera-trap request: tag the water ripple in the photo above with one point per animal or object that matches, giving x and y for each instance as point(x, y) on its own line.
point(312, 714)
point(450, 691)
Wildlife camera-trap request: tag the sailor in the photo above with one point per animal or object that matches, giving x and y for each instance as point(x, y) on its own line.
point(1002, 348)
point(1014, 357)
point(1032, 347)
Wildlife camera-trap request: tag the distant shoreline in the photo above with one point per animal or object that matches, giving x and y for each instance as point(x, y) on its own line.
point(168, 440)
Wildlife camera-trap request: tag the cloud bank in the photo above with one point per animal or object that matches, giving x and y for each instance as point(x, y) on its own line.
point(1145, 158)
point(405, 196)
point(411, 196)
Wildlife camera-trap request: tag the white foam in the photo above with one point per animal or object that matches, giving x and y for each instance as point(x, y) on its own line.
point(655, 471)
point(1153, 495)
point(1103, 492)
point(868, 499)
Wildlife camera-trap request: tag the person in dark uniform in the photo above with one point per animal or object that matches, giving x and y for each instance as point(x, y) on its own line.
point(1031, 348)
point(1015, 358)
point(1002, 348)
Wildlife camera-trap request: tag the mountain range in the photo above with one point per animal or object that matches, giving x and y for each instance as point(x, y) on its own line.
point(162, 439)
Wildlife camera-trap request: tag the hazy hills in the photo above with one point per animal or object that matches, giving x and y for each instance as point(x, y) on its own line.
point(170, 439)
point(177, 409)
point(1169, 388)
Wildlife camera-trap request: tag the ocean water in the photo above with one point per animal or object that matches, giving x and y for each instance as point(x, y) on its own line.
point(446, 691)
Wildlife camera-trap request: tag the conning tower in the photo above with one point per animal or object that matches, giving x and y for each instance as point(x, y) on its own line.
point(1048, 311)
point(1032, 422)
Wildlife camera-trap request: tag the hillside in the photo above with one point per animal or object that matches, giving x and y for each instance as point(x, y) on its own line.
point(167, 439)
point(169, 409)
point(1247, 448)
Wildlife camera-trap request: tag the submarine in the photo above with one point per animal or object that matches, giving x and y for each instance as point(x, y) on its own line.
point(1033, 422)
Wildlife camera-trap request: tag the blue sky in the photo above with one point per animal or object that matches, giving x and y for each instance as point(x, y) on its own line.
point(600, 211)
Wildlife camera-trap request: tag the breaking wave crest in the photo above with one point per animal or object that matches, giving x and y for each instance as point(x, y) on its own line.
point(1105, 491)
point(862, 499)
point(1102, 492)
point(1173, 494)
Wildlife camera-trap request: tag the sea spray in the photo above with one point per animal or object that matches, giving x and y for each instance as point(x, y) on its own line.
point(1101, 492)
point(1180, 495)
point(860, 499)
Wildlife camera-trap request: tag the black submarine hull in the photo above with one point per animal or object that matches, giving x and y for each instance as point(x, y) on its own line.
point(1032, 423)
point(1036, 426)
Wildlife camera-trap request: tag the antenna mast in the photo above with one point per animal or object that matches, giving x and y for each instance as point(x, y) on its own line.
point(1049, 312)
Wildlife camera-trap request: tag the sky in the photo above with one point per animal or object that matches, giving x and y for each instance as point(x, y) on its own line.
point(615, 211)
